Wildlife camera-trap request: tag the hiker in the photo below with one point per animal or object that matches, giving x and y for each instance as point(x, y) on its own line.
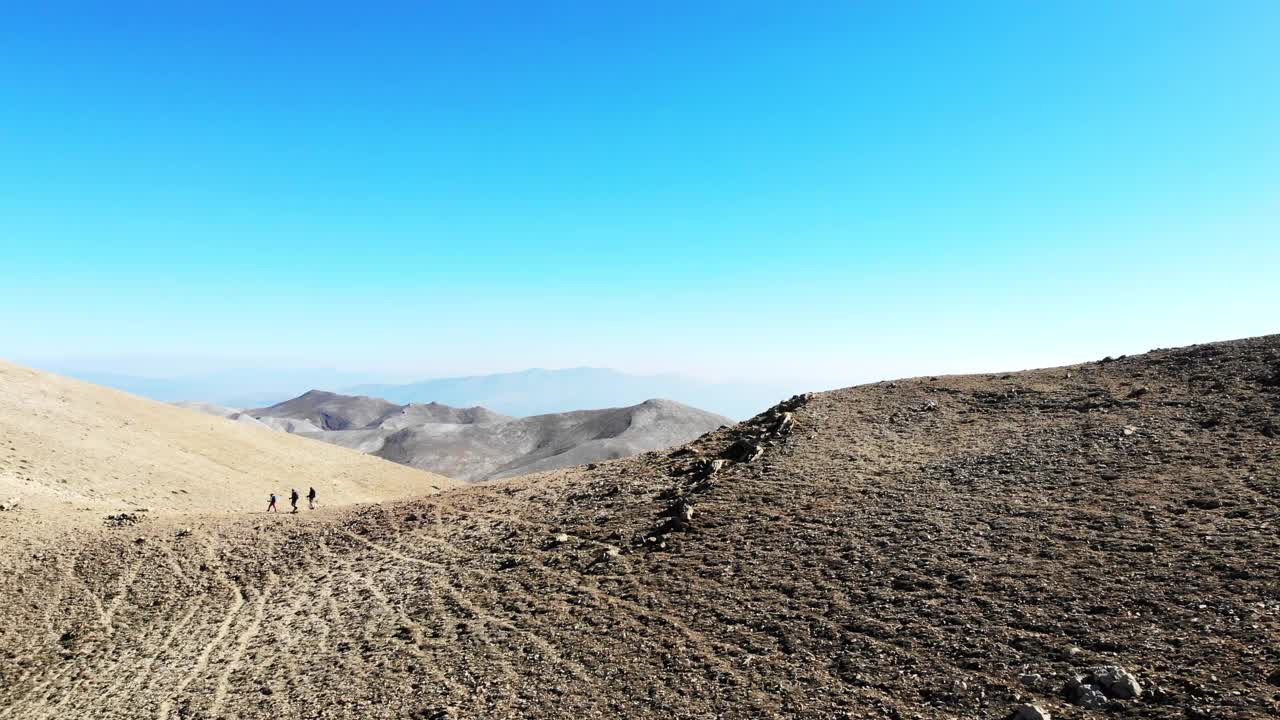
point(293, 498)
point(271, 506)
point(311, 499)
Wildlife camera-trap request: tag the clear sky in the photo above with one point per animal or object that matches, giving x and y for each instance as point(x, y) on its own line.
point(831, 192)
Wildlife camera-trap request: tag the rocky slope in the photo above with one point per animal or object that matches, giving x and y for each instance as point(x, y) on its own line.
point(504, 449)
point(952, 547)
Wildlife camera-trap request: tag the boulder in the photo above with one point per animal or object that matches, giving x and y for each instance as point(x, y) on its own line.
point(1087, 696)
point(1030, 712)
point(784, 425)
point(1117, 682)
point(744, 451)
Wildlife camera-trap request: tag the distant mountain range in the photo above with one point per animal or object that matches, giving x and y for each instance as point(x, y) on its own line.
point(232, 388)
point(476, 443)
point(529, 392)
point(537, 391)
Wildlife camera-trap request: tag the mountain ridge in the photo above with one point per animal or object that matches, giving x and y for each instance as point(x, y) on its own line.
point(477, 444)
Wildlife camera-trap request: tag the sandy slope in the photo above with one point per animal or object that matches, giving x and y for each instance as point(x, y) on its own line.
point(941, 548)
point(70, 446)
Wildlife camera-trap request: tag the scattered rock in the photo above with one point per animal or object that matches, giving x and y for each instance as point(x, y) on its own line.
point(795, 402)
point(1087, 696)
point(681, 514)
point(745, 451)
point(1205, 502)
point(1030, 712)
point(784, 425)
point(1117, 682)
point(708, 467)
point(1109, 682)
point(122, 520)
point(436, 714)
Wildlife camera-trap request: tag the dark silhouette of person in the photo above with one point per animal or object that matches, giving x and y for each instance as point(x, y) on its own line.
point(311, 499)
point(271, 506)
point(293, 499)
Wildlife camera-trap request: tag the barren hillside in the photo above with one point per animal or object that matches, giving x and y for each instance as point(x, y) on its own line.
point(330, 411)
point(72, 447)
point(949, 547)
point(542, 442)
point(478, 444)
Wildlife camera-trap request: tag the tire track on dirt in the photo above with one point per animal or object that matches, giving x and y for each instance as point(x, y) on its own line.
point(242, 644)
point(143, 675)
point(417, 636)
point(357, 669)
point(540, 642)
point(202, 661)
point(126, 584)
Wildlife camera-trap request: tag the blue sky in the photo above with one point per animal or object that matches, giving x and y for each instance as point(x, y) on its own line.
point(823, 193)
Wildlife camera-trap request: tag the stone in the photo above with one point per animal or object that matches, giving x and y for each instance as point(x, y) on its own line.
point(785, 425)
point(1117, 682)
point(707, 467)
point(1030, 712)
point(10, 504)
point(562, 538)
point(745, 451)
point(1088, 696)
